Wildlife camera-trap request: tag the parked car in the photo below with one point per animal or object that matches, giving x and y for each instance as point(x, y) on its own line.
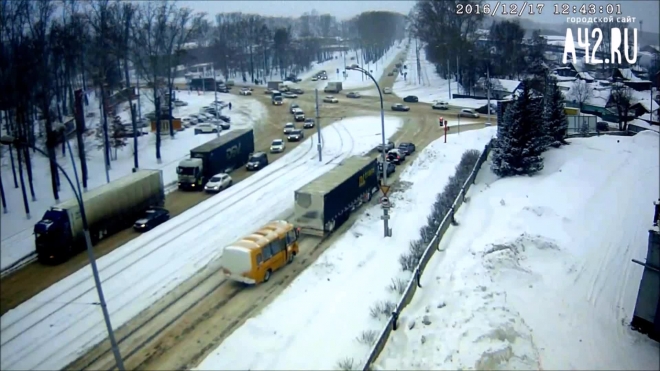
point(400, 107)
point(391, 168)
point(180, 103)
point(295, 135)
point(309, 123)
point(245, 92)
point(440, 105)
point(293, 106)
point(407, 148)
point(268, 91)
point(289, 127)
point(196, 119)
point(330, 99)
point(297, 91)
point(484, 109)
point(387, 91)
point(151, 219)
point(299, 116)
point(222, 89)
point(602, 126)
point(189, 120)
point(220, 123)
point(256, 161)
point(218, 182)
point(353, 94)
point(206, 129)
point(411, 99)
point(224, 118)
point(467, 112)
point(395, 156)
point(388, 146)
point(290, 95)
point(277, 146)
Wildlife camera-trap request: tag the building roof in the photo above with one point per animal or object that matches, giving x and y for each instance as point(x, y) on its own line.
point(508, 86)
point(585, 76)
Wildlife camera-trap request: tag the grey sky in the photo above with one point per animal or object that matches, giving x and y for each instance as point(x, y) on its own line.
point(646, 10)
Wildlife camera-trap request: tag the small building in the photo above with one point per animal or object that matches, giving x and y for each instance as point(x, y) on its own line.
point(586, 77)
point(630, 79)
point(165, 124)
point(500, 88)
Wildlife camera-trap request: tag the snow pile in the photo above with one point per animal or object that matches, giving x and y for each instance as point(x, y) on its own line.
point(53, 328)
point(16, 229)
point(324, 316)
point(538, 274)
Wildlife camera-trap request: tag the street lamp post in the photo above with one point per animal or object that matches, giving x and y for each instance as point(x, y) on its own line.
point(385, 217)
point(9, 140)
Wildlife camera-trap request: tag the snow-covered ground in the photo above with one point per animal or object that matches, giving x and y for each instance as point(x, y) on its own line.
point(538, 275)
point(316, 321)
point(16, 229)
point(54, 327)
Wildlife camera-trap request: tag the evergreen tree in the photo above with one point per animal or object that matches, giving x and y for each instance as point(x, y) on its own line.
point(518, 147)
point(117, 135)
point(555, 123)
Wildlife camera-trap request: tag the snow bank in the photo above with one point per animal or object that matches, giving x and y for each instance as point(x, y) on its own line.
point(16, 229)
point(316, 321)
point(538, 274)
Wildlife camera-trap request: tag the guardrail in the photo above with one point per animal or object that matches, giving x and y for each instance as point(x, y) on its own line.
point(432, 247)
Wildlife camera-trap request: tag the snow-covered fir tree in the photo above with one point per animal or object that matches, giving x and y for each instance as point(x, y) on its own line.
point(555, 123)
point(117, 135)
point(518, 148)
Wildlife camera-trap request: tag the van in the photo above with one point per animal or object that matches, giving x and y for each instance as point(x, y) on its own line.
point(254, 258)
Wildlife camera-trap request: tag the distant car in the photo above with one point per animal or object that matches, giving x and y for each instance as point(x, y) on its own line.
point(390, 74)
point(224, 118)
point(268, 91)
point(387, 91)
point(293, 106)
point(299, 116)
point(290, 95)
point(309, 123)
point(218, 122)
point(222, 89)
point(602, 126)
point(330, 99)
point(289, 127)
point(256, 161)
point(297, 91)
point(189, 120)
point(388, 146)
point(324, 77)
point(314, 78)
point(151, 219)
point(180, 103)
point(218, 182)
point(440, 105)
point(245, 92)
point(206, 129)
point(277, 146)
point(295, 136)
point(467, 112)
point(195, 119)
point(395, 156)
point(407, 148)
point(391, 168)
point(484, 109)
point(353, 94)
point(411, 99)
point(400, 107)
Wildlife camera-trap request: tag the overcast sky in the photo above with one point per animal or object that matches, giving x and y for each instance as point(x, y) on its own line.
point(646, 10)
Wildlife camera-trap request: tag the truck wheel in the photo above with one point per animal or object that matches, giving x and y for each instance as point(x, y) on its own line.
point(267, 275)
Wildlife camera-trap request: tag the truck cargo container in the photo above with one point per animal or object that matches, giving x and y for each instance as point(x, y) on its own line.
point(325, 203)
point(275, 85)
point(220, 155)
point(109, 208)
point(203, 83)
point(333, 87)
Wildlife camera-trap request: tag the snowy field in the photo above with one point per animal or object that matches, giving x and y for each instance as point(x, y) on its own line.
point(316, 321)
point(54, 327)
point(538, 275)
point(16, 229)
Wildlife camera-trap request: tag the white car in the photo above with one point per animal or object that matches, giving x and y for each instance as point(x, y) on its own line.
point(277, 146)
point(206, 129)
point(440, 105)
point(289, 127)
point(245, 92)
point(330, 99)
point(315, 78)
point(467, 112)
point(188, 121)
point(218, 182)
point(289, 95)
point(387, 91)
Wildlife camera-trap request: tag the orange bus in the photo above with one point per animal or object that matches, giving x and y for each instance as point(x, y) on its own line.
point(255, 257)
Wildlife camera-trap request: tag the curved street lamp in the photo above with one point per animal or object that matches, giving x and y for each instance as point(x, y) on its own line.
point(10, 140)
point(355, 67)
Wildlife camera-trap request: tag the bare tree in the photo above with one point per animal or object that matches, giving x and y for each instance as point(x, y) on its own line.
point(622, 99)
point(580, 93)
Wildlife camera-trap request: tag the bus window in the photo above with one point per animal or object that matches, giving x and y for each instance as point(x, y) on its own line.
point(291, 237)
point(277, 246)
point(267, 253)
point(259, 259)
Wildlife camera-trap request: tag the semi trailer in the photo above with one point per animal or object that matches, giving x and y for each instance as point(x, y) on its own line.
point(325, 203)
point(333, 87)
point(220, 155)
point(109, 208)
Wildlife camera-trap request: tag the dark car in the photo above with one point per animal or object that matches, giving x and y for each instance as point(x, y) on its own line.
point(297, 91)
point(400, 107)
point(223, 89)
point(407, 148)
point(484, 109)
point(602, 126)
point(224, 118)
point(411, 99)
point(151, 219)
point(295, 136)
point(293, 106)
point(257, 161)
point(391, 168)
point(388, 146)
point(395, 156)
point(353, 94)
point(309, 123)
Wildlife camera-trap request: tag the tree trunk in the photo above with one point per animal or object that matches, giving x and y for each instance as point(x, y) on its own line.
point(170, 86)
point(50, 149)
point(20, 173)
point(127, 77)
point(157, 107)
point(23, 117)
point(11, 131)
point(80, 131)
point(104, 122)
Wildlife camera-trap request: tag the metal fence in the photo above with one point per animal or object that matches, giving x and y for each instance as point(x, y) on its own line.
point(432, 247)
point(575, 124)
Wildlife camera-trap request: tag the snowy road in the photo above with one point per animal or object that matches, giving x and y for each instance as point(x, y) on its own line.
point(61, 323)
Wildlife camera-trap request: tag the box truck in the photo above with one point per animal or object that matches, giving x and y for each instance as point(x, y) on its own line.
point(333, 87)
point(325, 203)
point(220, 155)
point(109, 208)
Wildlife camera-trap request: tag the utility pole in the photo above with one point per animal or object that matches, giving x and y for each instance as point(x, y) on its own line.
point(137, 75)
point(488, 82)
point(318, 127)
point(458, 72)
point(215, 102)
point(448, 81)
